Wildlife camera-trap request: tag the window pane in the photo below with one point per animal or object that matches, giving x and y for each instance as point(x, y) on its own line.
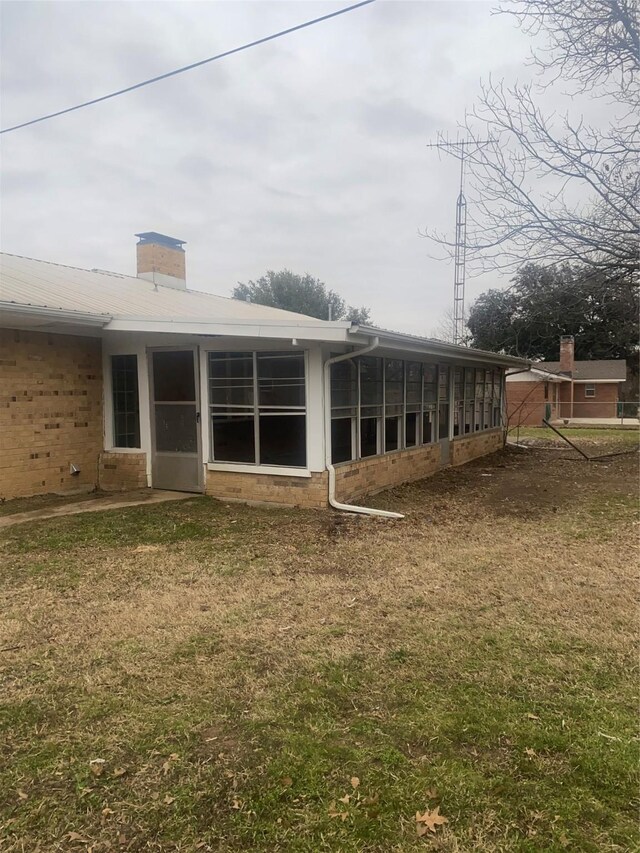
point(393, 386)
point(341, 440)
point(468, 417)
point(281, 379)
point(458, 385)
point(231, 379)
point(371, 383)
point(391, 434)
point(479, 384)
point(430, 383)
point(469, 383)
point(443, 421)
point(428, 427)
point(174, 376)
point(283, 440)
point(414, 385)
point(126, 415)
point(233, 438)
point(368, 436)
point(411, 429)
point(443, 383)
point(344, 385)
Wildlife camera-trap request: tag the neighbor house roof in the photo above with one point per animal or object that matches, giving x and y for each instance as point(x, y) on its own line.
point(599, 370)
point(46, 294)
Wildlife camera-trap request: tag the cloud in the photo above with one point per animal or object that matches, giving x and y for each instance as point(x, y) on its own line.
point(308, 152)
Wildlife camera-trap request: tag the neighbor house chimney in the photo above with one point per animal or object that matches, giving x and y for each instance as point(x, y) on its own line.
point(161, 259)
point(567, 363)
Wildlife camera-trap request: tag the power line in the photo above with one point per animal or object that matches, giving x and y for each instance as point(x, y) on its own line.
point(190, 67)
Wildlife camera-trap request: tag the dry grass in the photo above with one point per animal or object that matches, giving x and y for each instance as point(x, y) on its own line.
point(254, 645)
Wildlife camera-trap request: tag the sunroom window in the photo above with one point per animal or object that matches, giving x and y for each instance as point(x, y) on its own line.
point(393, 403)
point(258, 409)
point(371, 405)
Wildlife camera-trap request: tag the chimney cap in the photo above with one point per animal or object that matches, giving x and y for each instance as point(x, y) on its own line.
point(160, 239)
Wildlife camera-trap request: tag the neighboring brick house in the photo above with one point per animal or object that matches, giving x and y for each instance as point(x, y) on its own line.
point(117, 382)
point(572, 389)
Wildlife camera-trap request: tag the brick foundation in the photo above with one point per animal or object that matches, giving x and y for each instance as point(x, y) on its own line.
point(376, 473)
point(50, 412)
point(466, 448)
point(120, 472)
point(310, 492)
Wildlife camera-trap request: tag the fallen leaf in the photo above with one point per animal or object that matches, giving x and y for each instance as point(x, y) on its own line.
point(431, 793)
point(431, 819)
point(532, 717)
point(333, 812)
point(96, 766)
point(22, 795)
point(345, 799)
point(354, 781)
point(530, 752)
point(119, 771)
point(236, 804)
point(75, 836)
point(286, 781)
point(168, 800)
point(107, 811)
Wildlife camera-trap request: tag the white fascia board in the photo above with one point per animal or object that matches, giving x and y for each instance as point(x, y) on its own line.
point(409, 343)
point(301, 332)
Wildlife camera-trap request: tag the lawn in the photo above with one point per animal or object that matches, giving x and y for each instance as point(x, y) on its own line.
point(201, 676)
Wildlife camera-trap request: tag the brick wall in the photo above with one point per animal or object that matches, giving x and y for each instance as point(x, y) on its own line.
point(308, 492)
point(354, 479)
point(466, 448)
point(526, 404)
point(122, 471)
point(603, 405)
point(50, 412)
point(152, 257)
point(376, 473)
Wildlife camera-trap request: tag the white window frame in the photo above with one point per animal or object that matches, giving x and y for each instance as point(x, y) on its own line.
point(256, 467)
point(589, 390)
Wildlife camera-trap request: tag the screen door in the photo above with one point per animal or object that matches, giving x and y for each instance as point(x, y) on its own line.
point(175, 420)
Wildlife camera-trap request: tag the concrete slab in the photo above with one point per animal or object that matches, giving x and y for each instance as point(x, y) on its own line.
point(598, 423)
point(115, 501)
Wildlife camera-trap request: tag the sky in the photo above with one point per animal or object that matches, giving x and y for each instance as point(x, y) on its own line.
point(308, 153)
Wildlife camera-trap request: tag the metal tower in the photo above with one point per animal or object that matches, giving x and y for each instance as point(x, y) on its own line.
point(460, 150)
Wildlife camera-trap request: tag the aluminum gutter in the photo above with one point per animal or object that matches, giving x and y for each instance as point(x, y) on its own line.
point(439, 348)
point(84, 318)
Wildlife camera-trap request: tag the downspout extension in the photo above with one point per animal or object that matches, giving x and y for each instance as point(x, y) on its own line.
point(363, 510)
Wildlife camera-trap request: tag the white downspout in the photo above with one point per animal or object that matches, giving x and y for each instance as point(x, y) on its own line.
point(363, 510)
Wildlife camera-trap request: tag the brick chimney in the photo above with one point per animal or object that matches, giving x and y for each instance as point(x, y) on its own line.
point(161, 259)
point(567, 361)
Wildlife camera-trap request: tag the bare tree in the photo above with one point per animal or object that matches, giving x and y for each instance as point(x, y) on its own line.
point(550, 189)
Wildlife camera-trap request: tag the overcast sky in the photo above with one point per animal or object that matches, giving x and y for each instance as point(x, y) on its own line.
point(307, 153)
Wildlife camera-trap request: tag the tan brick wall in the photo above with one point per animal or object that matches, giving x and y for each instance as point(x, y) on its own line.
point(122, 471)
point(162, 259)
point(376, 473)
point(466, 448)
point(308, 492)
point(50, 412)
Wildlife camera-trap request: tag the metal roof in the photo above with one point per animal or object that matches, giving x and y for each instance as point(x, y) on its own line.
point(125, 303)
point(26, 281)
point(614, 369)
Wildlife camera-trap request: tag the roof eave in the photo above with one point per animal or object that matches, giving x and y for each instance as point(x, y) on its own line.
point(62, 315)
point(413, 343)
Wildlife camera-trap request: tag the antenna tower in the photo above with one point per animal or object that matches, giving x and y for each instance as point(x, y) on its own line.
point(459, 149)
